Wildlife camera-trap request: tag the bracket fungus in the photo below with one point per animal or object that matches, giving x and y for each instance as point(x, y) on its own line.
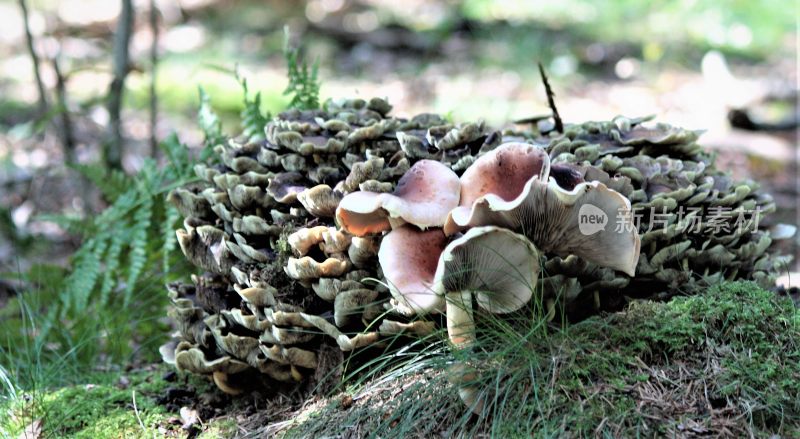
point(290, 233)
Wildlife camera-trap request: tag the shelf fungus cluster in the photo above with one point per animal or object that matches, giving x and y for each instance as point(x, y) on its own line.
point(346, 228)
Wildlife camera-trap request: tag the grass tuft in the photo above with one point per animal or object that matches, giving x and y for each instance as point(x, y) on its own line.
point(723, 363)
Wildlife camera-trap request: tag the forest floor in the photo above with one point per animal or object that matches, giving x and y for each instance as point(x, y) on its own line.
point(725, 364)
point(707, 366)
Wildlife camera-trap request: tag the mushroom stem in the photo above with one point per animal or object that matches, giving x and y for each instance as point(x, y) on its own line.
point(460, 322)
point(470, 394)
point(461, 330)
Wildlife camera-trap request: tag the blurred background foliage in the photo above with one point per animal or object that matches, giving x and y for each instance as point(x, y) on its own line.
point(688, 61)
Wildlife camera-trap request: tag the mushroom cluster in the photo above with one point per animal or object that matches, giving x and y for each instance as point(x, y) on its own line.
point(512, 210)
point(346, 227)
point(280, 283)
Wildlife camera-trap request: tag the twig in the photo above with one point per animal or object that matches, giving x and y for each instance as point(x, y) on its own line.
point(34, 58)
point(67, 139)
point(153, 65)
point(122, 36)
point(551, 100)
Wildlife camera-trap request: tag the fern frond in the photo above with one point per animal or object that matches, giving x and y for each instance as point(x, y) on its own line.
point(112, 258)
point(72, 224)
point(118, 211)
point(120, 245)
point(209, 121)
point(111, 182)
point(137, 255)
point(303, 79)
point(179, 162)
point(84, 276)
point(253, 121)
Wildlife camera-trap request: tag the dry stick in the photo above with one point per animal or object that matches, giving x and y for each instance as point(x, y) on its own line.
point(67, 139)
point(153, 64)
point(122, 36)
point(34, 58)
point(551, 100)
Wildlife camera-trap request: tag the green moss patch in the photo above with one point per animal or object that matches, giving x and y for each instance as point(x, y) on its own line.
point(723, 363)
point(111, 405)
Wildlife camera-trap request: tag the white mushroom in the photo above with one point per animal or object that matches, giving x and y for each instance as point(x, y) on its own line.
point(590, 221)
point(496, 265)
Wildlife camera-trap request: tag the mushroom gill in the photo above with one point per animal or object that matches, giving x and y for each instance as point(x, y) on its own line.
point(590, 221)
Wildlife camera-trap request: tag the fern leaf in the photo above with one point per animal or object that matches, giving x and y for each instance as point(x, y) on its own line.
point(303, 79)
point(73, 224)
point(137, 256)
point(178, 156)
point(209, 121)
point(111, 182)
point(85, 273)
point(112, 258)
point(253, 121)
point(113, 215)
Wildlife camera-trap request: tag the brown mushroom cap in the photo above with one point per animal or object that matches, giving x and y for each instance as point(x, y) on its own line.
point(591, 221)
point(409, 258)
point(423, 197)
point(502, 173)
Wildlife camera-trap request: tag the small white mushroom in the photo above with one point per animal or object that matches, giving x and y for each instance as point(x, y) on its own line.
point(498, 266)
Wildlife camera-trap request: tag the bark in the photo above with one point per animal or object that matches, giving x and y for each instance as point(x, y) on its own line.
point(121, 66)
point(67, 138)
point(153, 77)
point(34, 58)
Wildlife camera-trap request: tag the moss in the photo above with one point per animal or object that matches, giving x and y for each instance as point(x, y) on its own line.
point(104, 408)
point(725, 362)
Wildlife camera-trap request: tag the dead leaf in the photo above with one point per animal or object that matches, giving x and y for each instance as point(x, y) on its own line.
point(189, 417)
